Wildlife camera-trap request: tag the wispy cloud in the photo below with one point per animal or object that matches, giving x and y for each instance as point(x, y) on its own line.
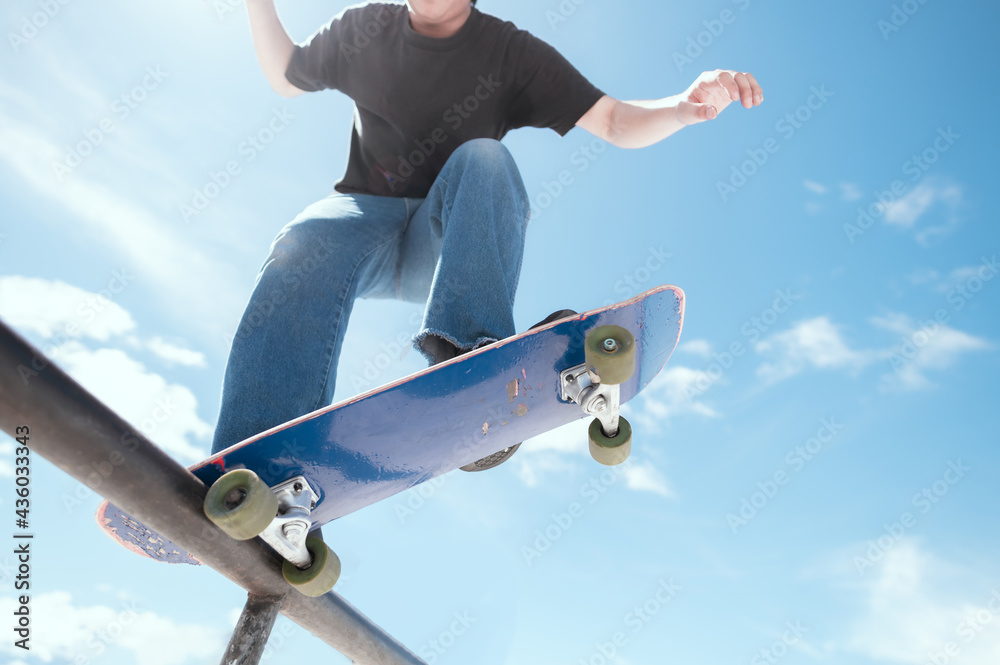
point(117, 196)
point(849, 192)
point(167, 413)
point(910, 209)
point(65, 316)
point(918, 604)
point(815, 343)
point(818, 344)
point(922, 348)
point(176, 354)
point(697, 347)
point(815, 187)
point(670, 395)
point(52, 308)
point(66, 631)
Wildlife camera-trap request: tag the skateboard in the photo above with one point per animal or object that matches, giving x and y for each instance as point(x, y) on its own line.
point(284, 483)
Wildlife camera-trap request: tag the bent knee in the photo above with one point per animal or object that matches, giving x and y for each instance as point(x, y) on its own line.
point(306, 238)
point(485, 152)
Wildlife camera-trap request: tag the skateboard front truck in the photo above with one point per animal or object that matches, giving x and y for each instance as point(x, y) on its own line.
point(609, 361)
point(243, 506)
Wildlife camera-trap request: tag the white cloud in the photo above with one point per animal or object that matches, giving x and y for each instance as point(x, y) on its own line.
point(53, 308)
point(917, 604)
point(175, 354)
point(165, 412)
point(907, 211)
point(565, 450)
point(697, 347)
point(817, 343)
point(140, 238)
point(813, 343)
point(849, 191)
point(64, 631)
point(555, 451)
point(814, 187)
point(672, 393)
point(921, 348)
point(644, 477)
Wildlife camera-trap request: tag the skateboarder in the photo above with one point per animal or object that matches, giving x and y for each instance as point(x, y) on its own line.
point(431, 208)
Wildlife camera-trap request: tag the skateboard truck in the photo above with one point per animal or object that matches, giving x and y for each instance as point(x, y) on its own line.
point(595, 398)
point(288, 530)
point(244, 507)
point(609, 353)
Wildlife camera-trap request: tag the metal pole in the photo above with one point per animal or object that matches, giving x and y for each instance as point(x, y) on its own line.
point(252, 630)
point(83, 437)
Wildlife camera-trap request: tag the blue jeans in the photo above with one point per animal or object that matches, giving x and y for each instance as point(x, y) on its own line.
point(459, 250)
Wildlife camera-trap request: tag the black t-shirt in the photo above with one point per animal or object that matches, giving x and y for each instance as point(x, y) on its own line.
point(418, 98)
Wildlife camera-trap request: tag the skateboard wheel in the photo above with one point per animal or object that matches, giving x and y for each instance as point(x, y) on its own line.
point(241, 504)
point(610, 451)
point(320, 576)
point(610, 353)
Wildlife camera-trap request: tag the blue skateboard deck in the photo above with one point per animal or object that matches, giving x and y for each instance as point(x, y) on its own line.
point(383, 442)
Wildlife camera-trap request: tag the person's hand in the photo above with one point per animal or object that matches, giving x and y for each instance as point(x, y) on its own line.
point(714, 91)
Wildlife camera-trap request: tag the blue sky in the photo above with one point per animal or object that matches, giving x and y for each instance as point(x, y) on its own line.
point(814, 474)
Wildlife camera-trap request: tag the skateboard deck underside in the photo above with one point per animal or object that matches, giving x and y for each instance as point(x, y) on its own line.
point(386, 441)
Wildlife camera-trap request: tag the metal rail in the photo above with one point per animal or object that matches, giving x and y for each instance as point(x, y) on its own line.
point(252, 630)
point(84, 438)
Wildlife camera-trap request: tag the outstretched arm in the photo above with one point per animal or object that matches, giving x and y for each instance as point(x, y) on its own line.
point(273, 45)
point(638, 124)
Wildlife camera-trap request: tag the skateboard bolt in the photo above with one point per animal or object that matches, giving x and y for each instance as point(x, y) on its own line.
point(297, 487)
point(598, 405)
point(610, 345)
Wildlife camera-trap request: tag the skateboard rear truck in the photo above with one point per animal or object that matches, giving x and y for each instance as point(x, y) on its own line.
point(595, 398)
point(594, 385)
point(288, 530)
